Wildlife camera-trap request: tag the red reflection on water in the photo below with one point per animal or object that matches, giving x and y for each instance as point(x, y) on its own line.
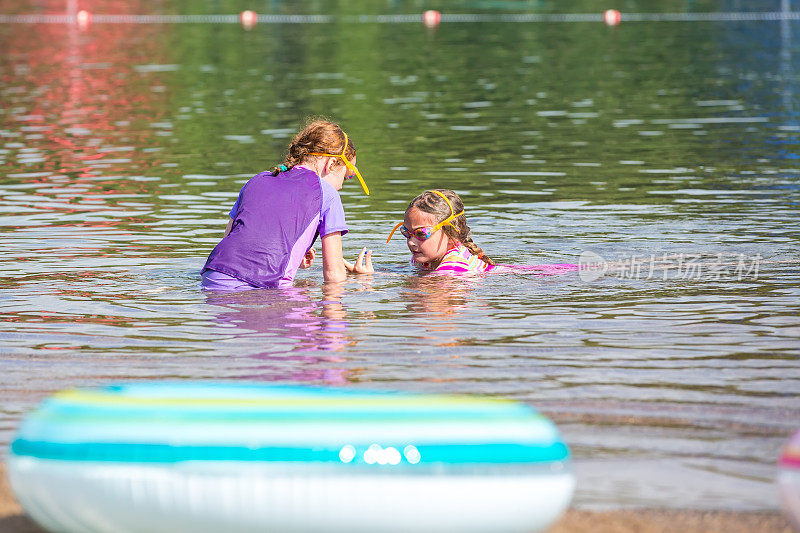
point(72, 96)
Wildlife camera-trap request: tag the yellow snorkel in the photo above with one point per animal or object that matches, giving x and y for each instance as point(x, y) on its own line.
point(347, 163)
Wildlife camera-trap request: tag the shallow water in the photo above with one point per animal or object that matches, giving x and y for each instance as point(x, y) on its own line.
point(123, 147)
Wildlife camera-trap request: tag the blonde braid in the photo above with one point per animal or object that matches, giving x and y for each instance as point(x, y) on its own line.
point(467, 241)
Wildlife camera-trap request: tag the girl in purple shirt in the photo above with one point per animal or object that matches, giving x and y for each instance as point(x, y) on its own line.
point(279, 214)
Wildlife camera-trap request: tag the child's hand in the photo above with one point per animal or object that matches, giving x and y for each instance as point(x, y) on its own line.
point(308, 258)
point(363, 264)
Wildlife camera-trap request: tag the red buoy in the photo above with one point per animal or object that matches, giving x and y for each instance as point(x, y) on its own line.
point(431, 18)
point(84, 19)
point(248, 19)
point(612, 17)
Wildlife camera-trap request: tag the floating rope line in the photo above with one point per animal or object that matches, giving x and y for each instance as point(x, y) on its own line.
point(405, 19)
point(166, 19)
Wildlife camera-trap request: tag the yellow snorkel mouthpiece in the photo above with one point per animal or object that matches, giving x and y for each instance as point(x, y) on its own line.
point(347, 163)
point(363, 185)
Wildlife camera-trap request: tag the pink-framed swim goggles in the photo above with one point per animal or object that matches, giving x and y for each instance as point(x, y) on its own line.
point(425, 233)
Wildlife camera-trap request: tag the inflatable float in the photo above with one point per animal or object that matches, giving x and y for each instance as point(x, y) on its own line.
point(789, 479)
point(244, 457)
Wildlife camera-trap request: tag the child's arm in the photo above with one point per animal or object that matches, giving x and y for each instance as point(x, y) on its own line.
point(308, 258)
point(232, 213)
point(333, 268)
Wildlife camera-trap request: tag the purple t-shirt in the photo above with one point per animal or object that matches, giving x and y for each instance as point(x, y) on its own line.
point(275, 221)
point(331, 216)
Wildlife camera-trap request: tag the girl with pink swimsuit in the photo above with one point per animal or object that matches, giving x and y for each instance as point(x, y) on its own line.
point(436, 232)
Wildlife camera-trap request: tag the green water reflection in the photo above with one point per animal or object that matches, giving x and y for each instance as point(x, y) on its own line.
point(568, 112)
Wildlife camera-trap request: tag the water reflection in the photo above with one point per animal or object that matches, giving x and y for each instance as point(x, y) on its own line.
point(440, 305)
point(436, 297)
point(76, 143)
point(293, 314)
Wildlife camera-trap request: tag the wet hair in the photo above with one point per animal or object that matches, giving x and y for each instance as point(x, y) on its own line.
point(319, 136)
point(432, 203)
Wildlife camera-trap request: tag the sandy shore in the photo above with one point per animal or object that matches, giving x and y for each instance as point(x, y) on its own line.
point(13, 519)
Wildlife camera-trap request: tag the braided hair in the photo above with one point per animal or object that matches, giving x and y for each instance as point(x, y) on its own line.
point(430, 202)
point(320, 136)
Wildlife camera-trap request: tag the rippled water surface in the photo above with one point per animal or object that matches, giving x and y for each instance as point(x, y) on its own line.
point(671, 146)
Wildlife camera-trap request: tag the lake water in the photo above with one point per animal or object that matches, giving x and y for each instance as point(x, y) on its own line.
point(673, 146)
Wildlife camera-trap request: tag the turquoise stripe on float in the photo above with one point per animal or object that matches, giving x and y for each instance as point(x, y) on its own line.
point(80, 413)
point(457, 454)
point(300, 433)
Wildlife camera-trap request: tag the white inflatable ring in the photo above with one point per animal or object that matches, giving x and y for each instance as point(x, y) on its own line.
point(238, 457)
point(789, 479)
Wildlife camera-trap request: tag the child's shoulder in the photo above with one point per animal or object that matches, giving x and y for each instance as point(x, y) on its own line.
point(456, 253)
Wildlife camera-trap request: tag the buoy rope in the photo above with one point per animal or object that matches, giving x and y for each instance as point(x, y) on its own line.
point(747, 16)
